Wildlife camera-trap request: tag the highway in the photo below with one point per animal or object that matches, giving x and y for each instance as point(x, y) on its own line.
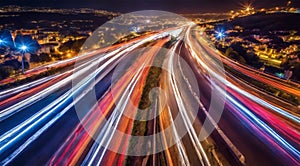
point(200, 114)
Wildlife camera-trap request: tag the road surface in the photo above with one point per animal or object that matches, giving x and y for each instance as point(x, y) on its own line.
point(40, 120)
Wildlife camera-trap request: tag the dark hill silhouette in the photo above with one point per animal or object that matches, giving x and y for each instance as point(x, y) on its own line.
point(268, 22)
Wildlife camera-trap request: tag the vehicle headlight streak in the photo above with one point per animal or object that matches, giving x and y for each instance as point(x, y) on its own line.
point(16, 134)
point(91, 126)
point(194, 137)
point(32, 128)
point(264, 127)
point(248, 95)
point(295, 154)
point(107, 132)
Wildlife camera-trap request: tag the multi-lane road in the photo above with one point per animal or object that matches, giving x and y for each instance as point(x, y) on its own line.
point(201, 114)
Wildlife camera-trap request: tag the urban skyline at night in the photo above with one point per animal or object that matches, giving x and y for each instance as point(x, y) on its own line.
point(177, 6)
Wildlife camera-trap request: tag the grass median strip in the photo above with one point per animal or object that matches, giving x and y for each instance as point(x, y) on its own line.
point(35, 77)
point(140, 127)
point(266, 88)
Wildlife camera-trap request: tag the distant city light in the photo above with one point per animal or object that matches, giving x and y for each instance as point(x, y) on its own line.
point(136, 28)
point(147, 21)
point(280, 75)
point(246, 7)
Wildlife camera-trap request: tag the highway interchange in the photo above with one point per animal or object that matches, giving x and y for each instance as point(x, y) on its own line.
point(85, 115)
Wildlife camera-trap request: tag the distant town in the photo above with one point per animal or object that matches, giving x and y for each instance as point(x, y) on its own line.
point(60, 34)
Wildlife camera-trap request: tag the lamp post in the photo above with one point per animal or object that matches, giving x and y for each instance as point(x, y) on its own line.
point(220, 35)
point(23, 49)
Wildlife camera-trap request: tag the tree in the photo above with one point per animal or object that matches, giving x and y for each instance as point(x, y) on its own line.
point(15, 64)
point(71, 45)
point(296, 71)
point(6, 71)
point(231, 53)
point(45, 57)
point(34, 58)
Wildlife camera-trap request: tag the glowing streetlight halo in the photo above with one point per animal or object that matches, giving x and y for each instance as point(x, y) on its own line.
point(220, 34)
point(2, 42)
point(24, 48)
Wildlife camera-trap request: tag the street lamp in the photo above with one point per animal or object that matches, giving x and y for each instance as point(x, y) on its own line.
point(220, 34)
point(23, 49)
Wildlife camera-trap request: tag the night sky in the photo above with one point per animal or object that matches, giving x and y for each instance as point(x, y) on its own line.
point(179, 6)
